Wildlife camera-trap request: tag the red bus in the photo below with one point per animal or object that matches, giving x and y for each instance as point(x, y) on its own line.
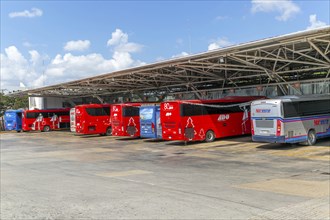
point(93, 119)
point(125, 119)
point(46, 119)
point(205, 120)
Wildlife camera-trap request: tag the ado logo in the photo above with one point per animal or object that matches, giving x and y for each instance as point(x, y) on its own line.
point(223, 117)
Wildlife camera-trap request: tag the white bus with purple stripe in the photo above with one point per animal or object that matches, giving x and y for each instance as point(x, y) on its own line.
point(291, 119)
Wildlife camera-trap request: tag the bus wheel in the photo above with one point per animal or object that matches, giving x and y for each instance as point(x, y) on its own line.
point(311, 138)
point(46, 128)
point(109, 131)
point(18, 131)
point(209, 137)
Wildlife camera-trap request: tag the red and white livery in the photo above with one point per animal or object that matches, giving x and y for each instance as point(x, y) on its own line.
point(198, 120)
point(93, 119)
point(46, 119)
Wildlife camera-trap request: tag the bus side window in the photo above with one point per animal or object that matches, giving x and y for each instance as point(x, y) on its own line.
point(191, 110)
point(291, 109)
point(314, 107)
point(31, 115)
point(106, 110)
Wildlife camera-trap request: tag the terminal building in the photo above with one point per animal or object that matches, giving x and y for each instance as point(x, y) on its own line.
point(292, 64)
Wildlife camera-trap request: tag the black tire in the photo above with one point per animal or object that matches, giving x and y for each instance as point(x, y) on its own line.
point(311, 138)
point(46, 128)
point(18, 131)
point(109, 131)
point(209, 136)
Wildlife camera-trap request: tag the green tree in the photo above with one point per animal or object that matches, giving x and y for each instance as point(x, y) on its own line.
point(10, 102)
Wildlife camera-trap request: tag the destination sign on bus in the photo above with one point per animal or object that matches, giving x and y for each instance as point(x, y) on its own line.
point(258, 110)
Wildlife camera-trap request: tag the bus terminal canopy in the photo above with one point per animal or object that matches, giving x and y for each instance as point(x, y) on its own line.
point(282, 61)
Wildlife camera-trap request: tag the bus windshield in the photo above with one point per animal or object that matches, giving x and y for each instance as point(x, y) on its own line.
point(146, 113)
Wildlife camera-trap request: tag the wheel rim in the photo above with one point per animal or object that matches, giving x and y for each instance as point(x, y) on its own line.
point(109, 131)
point(311, 137)
point(209, 136)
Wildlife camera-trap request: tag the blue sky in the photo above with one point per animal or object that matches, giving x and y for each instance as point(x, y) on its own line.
point(48, 42)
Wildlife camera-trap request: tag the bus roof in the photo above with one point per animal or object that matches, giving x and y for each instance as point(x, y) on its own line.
point(93, 105)
point(48, 109)
point(129, 104)
point(295, 98)
point(15, 110)
point(225, 99)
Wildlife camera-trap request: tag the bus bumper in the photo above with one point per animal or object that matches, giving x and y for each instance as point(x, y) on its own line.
point(269, 139)
point(144, 135)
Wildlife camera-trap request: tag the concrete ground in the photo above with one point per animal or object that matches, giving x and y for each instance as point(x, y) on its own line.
point(58, 175)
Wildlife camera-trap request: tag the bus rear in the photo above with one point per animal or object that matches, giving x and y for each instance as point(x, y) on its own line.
point(150, 125)
point(267, 125)
point(13, 120)
point(93, 119)
point(171, 121)
point(125, 119)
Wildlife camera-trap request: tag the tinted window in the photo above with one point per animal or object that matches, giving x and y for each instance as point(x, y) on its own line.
point(306, 108)
point(97, 111)
point(291, 109)
point(106, 110)
point(314, 107)
point(191, 109)
point(223, 110)
point(131, 111)
point(62, 113)
point(32, 115)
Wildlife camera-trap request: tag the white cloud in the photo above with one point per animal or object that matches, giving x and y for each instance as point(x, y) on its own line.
point(314, 23)
point(16, 69)
point(182, 54)
point(119, 40)
point(118, 37)
point(219, 43)
point(35, 12)
point(33, 71)
point(79, 45)
point(286, 8)
point(35, 57)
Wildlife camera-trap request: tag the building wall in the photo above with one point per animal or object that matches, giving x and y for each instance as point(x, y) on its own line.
point(45, 102)
point(36, 103)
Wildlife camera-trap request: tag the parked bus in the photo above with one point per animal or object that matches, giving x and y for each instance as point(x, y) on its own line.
point(13, 120)
point(73, 120)
point(150, 125)
point(126, 119)
point(46, 119)
point(93, 119)
point(291, 119)
point(198, 120)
